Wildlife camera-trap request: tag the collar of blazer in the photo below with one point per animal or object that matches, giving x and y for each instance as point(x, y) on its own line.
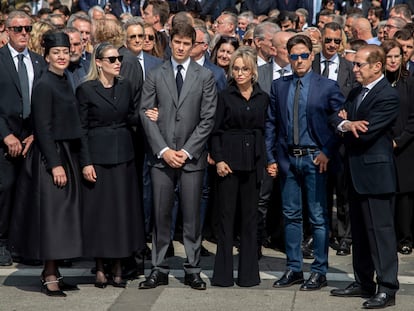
point(191, 77)
point(115, 96)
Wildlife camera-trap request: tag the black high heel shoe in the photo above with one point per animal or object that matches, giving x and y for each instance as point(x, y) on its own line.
point(51, 293)
point(101, 284)
point(121, 284)
point(65, 286)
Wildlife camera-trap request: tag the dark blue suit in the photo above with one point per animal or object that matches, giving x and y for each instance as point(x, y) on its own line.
point(298, 173)
point(151, 62)
point(117, 8)
point(219, 75)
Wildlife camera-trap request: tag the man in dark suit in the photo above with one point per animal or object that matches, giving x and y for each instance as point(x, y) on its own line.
point(120, 7)
point(299, 143)
point(185, 95)
point(329, 64)
point(371, 112)
point(16, 82)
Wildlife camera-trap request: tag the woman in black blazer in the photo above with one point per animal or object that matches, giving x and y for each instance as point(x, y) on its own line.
point(112, 217)
point(238, 150)
point(403, 141)
point(46, 221)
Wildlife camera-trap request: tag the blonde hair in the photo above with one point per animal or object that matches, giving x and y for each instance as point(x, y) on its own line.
point(249, 57)
point(108, 30)
point(98, 52)
point(36, 36)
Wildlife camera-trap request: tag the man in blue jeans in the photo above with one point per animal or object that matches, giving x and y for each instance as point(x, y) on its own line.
point(300, 140)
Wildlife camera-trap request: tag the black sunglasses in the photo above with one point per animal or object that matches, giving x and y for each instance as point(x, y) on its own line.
point(150, 37)
point(112, 59)
point(133, 37)
point(296, 56)
point(329, 40)
point(20, 28)
point(247, 41)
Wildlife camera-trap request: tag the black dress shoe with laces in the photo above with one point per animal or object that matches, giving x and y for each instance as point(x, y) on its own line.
point(352, 290)
point(379, 301)
point(316, 281)
point(156, 278)
point(344, 249)
point(289, 278)
point(195, 281)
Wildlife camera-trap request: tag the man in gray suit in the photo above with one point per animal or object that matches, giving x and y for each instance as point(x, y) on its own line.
point(185, 95)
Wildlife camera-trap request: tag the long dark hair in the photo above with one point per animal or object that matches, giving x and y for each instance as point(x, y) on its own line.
point(402, 72)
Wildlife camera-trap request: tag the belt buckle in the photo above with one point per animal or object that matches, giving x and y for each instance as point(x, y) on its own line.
point(297, 152)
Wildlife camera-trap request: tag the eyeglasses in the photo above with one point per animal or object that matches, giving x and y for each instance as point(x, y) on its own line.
point(199, 42)
point(112, 59)
point(296, 56)
point(150, 37)
point(359, 65)
point(391, 26)
point(134, 37)
point(19, 29)
point(336, 40)
point(247, 41)
point(349, 52)
point(244, 70)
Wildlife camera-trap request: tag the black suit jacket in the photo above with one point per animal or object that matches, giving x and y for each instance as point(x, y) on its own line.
point(106, 121)
point(346, 77)
point(371, 159)
point(11, 103)
point(117, 8)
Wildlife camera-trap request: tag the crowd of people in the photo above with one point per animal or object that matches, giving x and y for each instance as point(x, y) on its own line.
point(287, 124)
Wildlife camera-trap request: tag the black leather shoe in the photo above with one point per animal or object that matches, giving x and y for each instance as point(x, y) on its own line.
point(316, 281)
point(195, 281)
point(344, 249)
point(66, 286)
point(288, 279)
point(379, 301)
point(156, 278)
point(352, 290)
point(405, 249)
point(51, 293)
point(307, 248)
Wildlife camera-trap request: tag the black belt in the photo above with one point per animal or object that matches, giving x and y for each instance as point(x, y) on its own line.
point(301, 151)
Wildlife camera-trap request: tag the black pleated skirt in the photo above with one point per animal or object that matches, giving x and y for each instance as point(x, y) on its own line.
point(46, 220)
point(113, 224)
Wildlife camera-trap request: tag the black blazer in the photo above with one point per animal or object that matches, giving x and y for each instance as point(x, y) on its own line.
point(403, 133)
point(106, 121)
point(238, 135)
point(371, 158)
point(346, 77)
point(55, 115)
point(11, 103)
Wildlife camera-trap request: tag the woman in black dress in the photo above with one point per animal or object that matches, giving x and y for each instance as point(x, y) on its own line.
point(46, 221)
point(112, 216)
point(403, 132)
point(238, 149)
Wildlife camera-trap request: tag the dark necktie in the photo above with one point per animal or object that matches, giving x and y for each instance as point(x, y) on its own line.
point(360, 97)
point(296, 114)
point(179, 79)
point(24, 85)
point(325, 72)
point(281, 71)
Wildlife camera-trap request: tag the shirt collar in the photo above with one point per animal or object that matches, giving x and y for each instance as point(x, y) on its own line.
point(333, 59)
point(371, 85)
point(201, 60)
point(14, 53)
point(185, 64)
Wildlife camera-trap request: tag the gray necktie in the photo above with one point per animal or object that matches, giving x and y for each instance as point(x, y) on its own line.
point(281, 71)
point(24, 85)
point(325, 72)
point(296, 114)
point(179, 79)
point(360, 96)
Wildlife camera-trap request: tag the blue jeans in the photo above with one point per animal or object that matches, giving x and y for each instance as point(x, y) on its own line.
point(304, 178)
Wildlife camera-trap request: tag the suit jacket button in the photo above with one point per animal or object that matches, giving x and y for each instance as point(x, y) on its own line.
point(20, 116)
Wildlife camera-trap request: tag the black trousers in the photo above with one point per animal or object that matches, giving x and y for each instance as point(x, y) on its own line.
point(237, 187)
point(374, 246)
point(404, 217)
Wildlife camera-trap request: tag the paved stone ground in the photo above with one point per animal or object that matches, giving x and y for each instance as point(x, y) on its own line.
point(20, 289)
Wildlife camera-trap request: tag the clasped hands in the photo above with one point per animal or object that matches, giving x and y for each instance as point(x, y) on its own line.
point(15, 147)
point(175, 158)
point(353, 126)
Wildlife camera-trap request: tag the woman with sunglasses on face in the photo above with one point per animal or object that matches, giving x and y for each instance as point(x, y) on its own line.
point(112, 216)
point(238, 150)
point(151, 43)
point(47, 213)
point(403, 132)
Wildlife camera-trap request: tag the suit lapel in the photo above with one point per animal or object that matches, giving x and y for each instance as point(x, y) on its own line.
point(10, 67)
point(190, 79)
point(169, 80)
point(99, 91)
point(316, 64)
